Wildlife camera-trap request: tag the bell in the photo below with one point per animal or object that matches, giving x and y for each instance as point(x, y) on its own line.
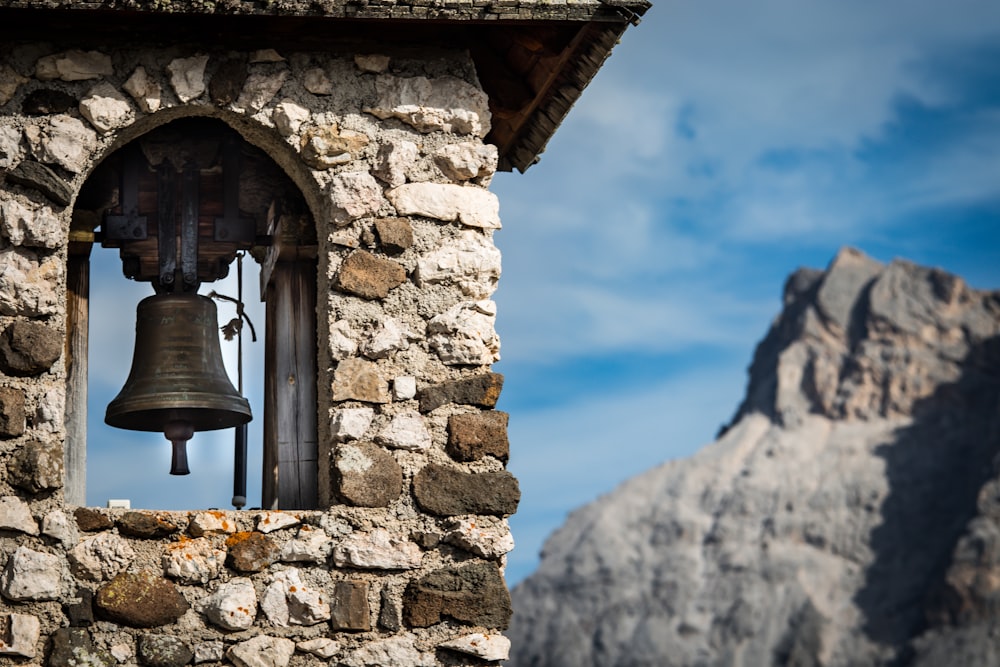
point(178, 384)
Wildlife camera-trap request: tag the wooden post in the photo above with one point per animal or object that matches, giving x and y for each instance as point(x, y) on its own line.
point(290, 411)
point(77, 330)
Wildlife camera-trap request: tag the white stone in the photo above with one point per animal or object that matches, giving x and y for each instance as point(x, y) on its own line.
point(28, 284)
point(100, 557)
point(50, 410)
point(10, 80)
point(406, 431)
point(32, 575)
point(10, 146)
point(395, 160)
point(444, 104)
point(390, 336)
point(335, 526)
point(377, 550)
point(260, 88)
point(262, 651)
point(486, 536)
point(289, 116)
point(268, 522)
point(321, 647)
point(16, 515)
point(465, 334)
point(204, 523)
point(467, 160)
point(371, 62)
point(233, 606)
point(62, 140)
point(472, 206)
point(209, 652)
point(487, 647)
point(353, 195)
point(106, 108)
point(195, 561)
point(58, 525)
point(74, 66)
point(23, 226)
point(187, 76)
point(288, 601)
point(266, 56)
point(343, 343)
point(19, 634)
point(310, 545)
point(469, 261)
point(317, 82)
point(404, 387)
point(396, 651)
point(122, 652)
point(350, 423)
point(145, 91)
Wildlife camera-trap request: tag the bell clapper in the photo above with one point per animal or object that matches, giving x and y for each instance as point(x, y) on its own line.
point(178, 432)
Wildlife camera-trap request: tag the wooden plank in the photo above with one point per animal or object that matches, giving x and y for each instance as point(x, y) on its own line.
point(290, 410)
point(77, 326)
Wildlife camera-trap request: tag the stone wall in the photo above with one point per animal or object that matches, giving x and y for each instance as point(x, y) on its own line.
point(404, 564)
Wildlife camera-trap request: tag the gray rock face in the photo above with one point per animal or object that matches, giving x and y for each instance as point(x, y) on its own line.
point(849, 514)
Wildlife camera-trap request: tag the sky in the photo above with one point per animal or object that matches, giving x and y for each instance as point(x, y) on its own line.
point(723, 145)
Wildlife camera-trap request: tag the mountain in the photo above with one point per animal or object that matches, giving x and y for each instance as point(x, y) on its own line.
point(848, 515)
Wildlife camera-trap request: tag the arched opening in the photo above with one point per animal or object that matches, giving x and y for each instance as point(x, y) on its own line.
point(195, 188)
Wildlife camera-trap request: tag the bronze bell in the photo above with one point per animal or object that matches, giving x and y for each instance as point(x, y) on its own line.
point(177, 384)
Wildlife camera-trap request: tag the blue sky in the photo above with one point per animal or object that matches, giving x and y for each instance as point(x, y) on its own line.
point(723, 145)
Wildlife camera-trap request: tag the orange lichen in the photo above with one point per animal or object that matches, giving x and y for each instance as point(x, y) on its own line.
point(236, 538)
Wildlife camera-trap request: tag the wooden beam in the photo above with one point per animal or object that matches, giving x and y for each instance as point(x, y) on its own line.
point(77, 327)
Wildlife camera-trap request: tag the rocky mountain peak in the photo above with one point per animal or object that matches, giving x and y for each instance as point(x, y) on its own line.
point(848, 515)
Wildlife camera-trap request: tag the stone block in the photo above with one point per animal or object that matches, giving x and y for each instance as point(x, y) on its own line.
point(145, 91)
point(227, 83)
point(395, 235)
point(32, 575)
point(447, 202)
point(464, 335)
point(146, 525)
point(29, 282)
point(251, 551)
point(406, 430)
point(10, 81)
point(91, 520)
point(36, 176)
point(19, 634)
point(195, 561)
point(442, 104)
point(325, 147)
point(353, 195)
point(58, 525)
point(373, 63)
point(268, 522)
point(472, 594)
point(321, 647)
point(37, 228)
point(141, 600)
point(389, 337)
point(359, 380)
point(73, 646)
point(467, 160)
point(12, 415)
point(75, 65)
point(377, 550)
point(351, 423)
point(484, 536)
point(310, 545)
point(36, 466)
point(262, 651)
point(368, 276)
point(469, 261)
point(16, 515)
point(29, 348)
point(404, 387)
point(100, 557)
point(493, 648)
point(10, 146)
point(399, 650)
point(205, 523)
point(233, 605)
point(288, 117)
point(480, 390)
point(260, 88)
point(62, 140)
point(106, 108)
point(473, 436)
point(187, 77)
point(366, 475)
point(288, 601)
point(317, 82)
point(350, 610)
point(445, 491)
point(394, 161)
point(157, 650)
point(80, 611)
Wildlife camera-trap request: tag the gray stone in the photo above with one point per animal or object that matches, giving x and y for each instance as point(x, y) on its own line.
point(106, 108)
point(443, 104)
point(359, 380)
point(368, 276)
point(57, 524)
point(80, 609)
point(10, 146)
point(473, 207)
point(19, 634)
point(208, 523)
point(395, 160)
point(326, 147)
point(445, 491)
point(351, 423)
point(32, 575)
point(49, 411)
point(10, 81)
point(377, 550)
point(29, 348)
point(157, 650)
point(62, 140)
point(406, 430)
point(100, 557)
point(469, 261)
point(373, 63)
point(471, 436)
point(268, 522)
point(233, 605)
point(321, 647)
point(464, 335)
point(389, 615)
point(75, 65)
point(37, 176)
point(187, 77)
point(480, 390)
point(196, 561)
point(467, 160)
point(36, 467)
point(399, 650)
point(260, 88)
point(484, 536)
point(288, 601)
point(145, 91)
point(262, 651)
point(310, 545)
point(350, 609)
point(471, 594)
point(141, 600)
point(212, 651)
point(73, 646)
point(492, 648)
point(317, 82)
point(28, 283)
point(30, 227)
point(404, 387)
point(353, 195)
point(16, 515)
point(395, 235)
point(12, 416)
point(342, 340)
point(389, 337)
point(288, 117)
point(366, 475)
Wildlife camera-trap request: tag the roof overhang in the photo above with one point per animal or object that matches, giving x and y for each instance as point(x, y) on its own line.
point(533, 57)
